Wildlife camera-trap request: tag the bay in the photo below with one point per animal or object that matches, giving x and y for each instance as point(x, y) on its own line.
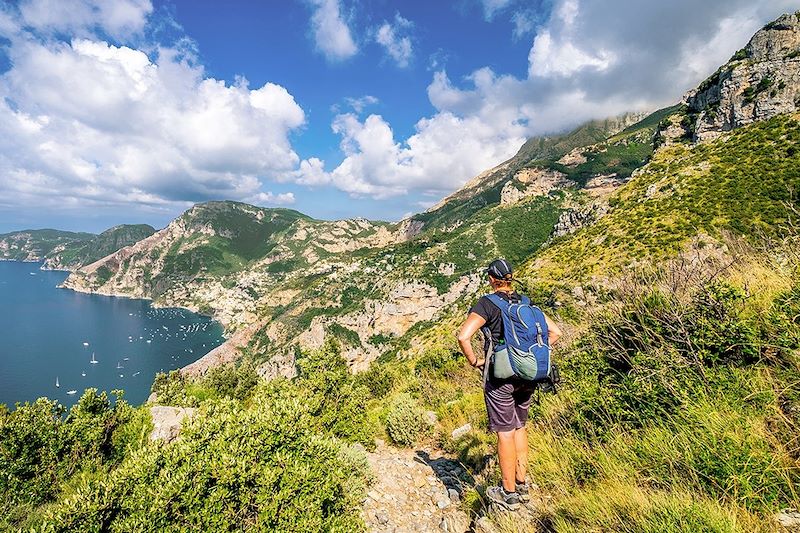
point(48, 333)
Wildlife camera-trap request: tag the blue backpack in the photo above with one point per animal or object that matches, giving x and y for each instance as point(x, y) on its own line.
point(526, 350)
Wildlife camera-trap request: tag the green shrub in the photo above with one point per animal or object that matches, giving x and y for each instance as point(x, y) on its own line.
point(406, 422)
point(264, 468)
point(40, 447)
point(379, 379)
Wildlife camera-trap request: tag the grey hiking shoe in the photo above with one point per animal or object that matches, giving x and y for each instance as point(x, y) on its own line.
point(523, 489)
point(506, 500)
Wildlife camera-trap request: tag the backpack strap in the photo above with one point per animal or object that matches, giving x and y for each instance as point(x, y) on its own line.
point(498, 301)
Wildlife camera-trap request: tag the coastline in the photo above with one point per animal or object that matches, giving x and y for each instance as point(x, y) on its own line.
point(225, 353)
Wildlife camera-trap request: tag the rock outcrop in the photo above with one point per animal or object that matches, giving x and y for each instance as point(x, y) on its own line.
point(532, 182)
point(574, 219)
point(761, 80)
point(167, 421)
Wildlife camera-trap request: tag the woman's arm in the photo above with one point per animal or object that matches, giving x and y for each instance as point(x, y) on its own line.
point(553, 331)
point(473, 323)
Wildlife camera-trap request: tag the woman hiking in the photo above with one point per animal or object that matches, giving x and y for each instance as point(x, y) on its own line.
point(507, 399)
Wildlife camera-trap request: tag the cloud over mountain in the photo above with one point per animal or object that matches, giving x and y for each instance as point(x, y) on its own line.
point(590, 59)
point(86, 122)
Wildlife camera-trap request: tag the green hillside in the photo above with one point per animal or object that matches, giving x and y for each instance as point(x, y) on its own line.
point(35, 244)
point(741, 184)
point(85, 251)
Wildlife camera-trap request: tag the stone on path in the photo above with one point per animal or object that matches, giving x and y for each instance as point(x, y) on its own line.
point(789, 519)
point(460, 432)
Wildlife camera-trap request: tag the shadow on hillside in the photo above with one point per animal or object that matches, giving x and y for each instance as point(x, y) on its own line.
point(449, 471)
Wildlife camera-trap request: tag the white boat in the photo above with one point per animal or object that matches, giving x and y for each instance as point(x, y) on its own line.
point(137, 373)
point(122, 375)
point(83, 374)
point(71, 392)
point(94, 361)
point(86, 344)
point(126, 358)
point(57, 385)
point(119, 365)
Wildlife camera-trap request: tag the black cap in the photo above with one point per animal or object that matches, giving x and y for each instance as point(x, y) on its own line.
point(500, 269)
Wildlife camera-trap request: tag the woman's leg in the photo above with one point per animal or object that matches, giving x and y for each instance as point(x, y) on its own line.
point(507, 454)
point(521, 448)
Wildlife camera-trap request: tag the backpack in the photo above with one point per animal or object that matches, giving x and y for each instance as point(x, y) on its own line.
point(525, 352)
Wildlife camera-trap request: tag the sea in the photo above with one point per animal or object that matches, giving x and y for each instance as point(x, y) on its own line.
point(48, 334)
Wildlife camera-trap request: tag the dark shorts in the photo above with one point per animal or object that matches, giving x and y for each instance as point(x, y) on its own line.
point(507, 403)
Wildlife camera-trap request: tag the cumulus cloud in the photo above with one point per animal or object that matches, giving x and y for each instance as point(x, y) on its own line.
point(118, 18)
point(397, 46)
point(590, 59)
point(91, 123)
point(331, 33)
point(269, 199)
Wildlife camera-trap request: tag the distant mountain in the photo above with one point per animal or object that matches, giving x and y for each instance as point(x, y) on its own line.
point(75, 254)
point(35, 244)
point(66, 250)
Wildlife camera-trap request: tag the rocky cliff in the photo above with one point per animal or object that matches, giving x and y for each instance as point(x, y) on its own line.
point(760, 81)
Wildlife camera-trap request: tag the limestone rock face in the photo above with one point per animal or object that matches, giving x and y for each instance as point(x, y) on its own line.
point(167, 421)
point(574, 219)
point(761, 81)
point(532, 182)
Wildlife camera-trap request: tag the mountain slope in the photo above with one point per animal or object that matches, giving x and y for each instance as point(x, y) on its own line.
point(75, 254)
point(34, 245)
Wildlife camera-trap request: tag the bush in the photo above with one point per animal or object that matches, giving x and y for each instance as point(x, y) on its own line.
point(40, 448)
point(264, 468)
point(406, 422)
point(379, 379)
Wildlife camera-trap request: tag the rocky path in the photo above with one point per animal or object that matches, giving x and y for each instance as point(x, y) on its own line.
point(422, 490)
point(416, 490)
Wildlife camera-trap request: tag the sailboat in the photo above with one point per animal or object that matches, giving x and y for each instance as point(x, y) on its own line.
point(119, 365)
point(57, 385)
point(94, 361)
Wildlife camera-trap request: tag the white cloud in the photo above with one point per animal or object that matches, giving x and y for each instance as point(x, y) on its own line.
point(397, 45)
point(331, 34)
point(490, 7)
point(524, 24)
point(591, 59)
point(117, 18)
point(359, 104)
point(92, 124)
point(270, 199)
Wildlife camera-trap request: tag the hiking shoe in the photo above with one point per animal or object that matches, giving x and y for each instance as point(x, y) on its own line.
point(506, 500)
point(523, 490)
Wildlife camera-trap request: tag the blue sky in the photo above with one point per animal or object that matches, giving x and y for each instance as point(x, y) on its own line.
point(131, 110)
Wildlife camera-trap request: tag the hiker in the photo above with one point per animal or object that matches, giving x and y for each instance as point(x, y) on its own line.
point(507, 398)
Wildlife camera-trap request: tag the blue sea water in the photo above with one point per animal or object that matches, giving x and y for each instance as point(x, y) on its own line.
point(48, 333)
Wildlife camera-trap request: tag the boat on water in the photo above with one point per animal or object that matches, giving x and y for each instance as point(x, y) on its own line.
point(94, 361)
point(86, 344)
point(71, 392)
point(119, 365)
point(57, 385)
point(83, 374)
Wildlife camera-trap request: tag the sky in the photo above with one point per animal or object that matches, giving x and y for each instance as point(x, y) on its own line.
point(130, 111)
